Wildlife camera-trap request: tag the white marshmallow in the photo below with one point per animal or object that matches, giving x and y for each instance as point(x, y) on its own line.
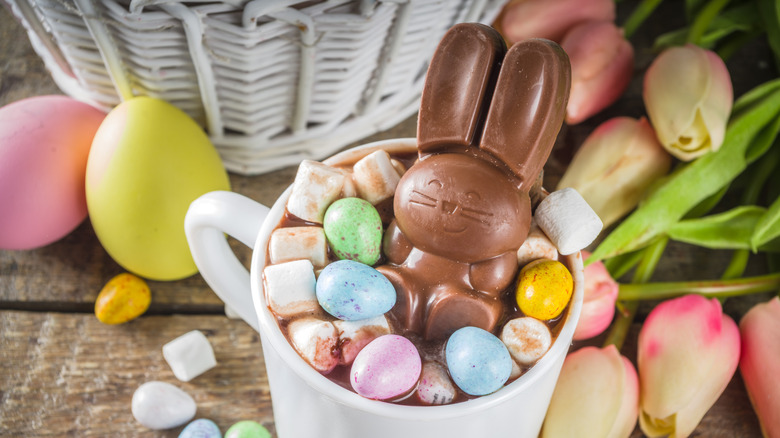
point(375, 177)
point(349, 190)
point(435, 386)
point(527, 339)
point(316, 341)
point(516, 370)
point(354, 335)
point(316, 186)
point(290, 288)
point(399, 166)
point(568, 220)
point(536, 246)
point(189, 355)
point(295, 243)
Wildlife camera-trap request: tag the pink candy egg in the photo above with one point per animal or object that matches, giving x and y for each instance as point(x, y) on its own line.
point(44, 144)
point(387, 368)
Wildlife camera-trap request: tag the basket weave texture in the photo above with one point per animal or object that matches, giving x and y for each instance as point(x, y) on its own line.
point(272, 81)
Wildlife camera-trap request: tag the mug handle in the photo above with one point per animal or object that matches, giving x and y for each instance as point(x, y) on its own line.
point(207, 218)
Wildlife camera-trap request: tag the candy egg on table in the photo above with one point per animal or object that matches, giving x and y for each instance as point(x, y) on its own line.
point(124, 298)
point(201, 428)
point(544, 288)
point(247, 429)
point(352, 291)
point(478, 361)
point(387, 368)
point(148, 162)
point(354, 230)
point(160, 405)
point(44, 144)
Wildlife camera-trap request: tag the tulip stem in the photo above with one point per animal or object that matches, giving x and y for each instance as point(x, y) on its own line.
point(627, 309)
point(638, 16)
point(710, 289)
point(702, 21)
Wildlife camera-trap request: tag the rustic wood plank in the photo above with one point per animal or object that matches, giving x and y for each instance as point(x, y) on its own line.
point(74, 376)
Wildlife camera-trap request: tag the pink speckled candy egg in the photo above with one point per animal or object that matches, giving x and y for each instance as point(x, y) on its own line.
point(387, 368)
point(44, 144)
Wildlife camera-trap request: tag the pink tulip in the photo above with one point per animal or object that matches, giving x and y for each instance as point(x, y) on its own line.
point(598, 305)
point(550, 19)
point(688, 96)
point(687, 353)
point(615, 165)
point(597, 395)
point(602, 62)
point(760, 363)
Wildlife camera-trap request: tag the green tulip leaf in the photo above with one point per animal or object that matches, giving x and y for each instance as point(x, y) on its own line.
point(732, 229)
point(768, 226)
point(693, 184)
point(770, 16)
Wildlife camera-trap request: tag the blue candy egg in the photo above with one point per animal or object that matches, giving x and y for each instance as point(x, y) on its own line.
point(352, 291)
point(201, 428)
point(478, 361)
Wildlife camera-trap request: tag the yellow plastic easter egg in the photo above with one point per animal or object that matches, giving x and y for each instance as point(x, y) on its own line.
point(544, 288)
point(148, 162)
point(124, 298)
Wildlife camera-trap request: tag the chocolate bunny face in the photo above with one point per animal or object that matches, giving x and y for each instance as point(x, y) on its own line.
point(488, 121)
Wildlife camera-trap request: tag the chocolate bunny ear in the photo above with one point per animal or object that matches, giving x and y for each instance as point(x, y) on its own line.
point(528, 107)
point(458, 86)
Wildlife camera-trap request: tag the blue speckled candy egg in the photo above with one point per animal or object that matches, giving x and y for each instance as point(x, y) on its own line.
point(352, 291)
point(354, 230)
point(201, 428)
point(478, 361)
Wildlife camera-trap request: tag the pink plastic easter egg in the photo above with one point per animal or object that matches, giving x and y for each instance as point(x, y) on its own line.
point(44, 144)
point(387, 368)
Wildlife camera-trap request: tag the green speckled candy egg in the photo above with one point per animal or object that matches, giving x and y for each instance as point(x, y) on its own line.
point(354, 230)
point(247, 429)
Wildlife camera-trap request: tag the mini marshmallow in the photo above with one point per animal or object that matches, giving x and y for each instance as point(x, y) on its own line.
point(290, 288)
point(399, 166)
point(316, 341)
point(527, 339)
point(349, 190)
point(375, 177)
point(295, 243)
point(568, 220)
point(435, 387)
point(316, 186)
point(516, 371)
point(189, 355)
point(536, 246)
point(354, 335)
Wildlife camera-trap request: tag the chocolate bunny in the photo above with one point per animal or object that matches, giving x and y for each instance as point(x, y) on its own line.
point(487, 123)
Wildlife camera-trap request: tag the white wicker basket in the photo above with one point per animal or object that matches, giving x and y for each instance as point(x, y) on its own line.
point(272, 81)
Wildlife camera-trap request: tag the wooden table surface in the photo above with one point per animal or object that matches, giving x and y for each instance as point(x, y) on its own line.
point(64, 373)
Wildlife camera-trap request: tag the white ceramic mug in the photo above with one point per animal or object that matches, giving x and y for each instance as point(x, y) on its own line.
point(307, 404)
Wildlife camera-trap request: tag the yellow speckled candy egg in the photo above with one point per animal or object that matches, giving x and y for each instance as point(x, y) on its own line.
point(544, 288)
point(148, 162)
point(123, 298)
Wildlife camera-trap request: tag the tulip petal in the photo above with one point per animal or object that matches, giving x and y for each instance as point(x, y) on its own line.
point(615, 165)
point(687, 354)
point(550, 19)
point(759, 363)
point(602, 62)
point(688, 96)
point(598, 306)
point(596, 396)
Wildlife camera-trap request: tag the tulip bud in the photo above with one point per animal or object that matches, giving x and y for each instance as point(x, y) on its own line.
point(688, 96)
point(550, 19)
point(615, 165)
point(760, 363)
point(598, 304)
point(596, 396)
point(602, 62)
point(687, 353)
